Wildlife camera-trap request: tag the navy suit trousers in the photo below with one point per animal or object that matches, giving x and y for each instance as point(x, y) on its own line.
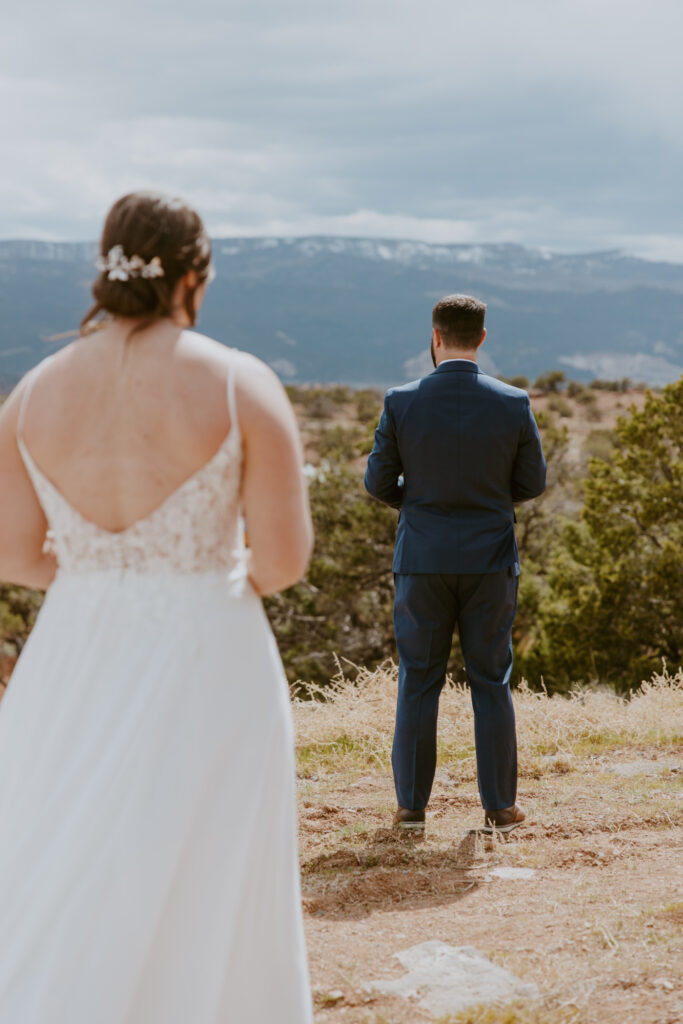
point(427, 609)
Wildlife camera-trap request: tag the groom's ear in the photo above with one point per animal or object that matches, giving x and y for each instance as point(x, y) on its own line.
point(483, 336)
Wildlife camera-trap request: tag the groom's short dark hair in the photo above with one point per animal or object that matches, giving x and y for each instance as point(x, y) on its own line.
point(459, 319)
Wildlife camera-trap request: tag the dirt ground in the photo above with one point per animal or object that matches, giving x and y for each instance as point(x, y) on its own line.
point(598, 928)
point(581, 422)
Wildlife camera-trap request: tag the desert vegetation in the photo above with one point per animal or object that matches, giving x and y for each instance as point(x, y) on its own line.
point(601, 551)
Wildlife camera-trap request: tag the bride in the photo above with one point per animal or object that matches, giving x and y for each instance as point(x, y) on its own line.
point(148, 863)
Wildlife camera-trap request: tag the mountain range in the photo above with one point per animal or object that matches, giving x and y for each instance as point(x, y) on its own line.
point(357, 311)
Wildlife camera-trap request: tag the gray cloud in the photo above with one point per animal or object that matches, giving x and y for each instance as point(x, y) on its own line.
point(546, 124)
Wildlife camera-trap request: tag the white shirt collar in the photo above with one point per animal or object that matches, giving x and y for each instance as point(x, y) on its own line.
point(459, 359)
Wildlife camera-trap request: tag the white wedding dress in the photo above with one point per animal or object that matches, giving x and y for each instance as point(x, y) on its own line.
point(148, 859)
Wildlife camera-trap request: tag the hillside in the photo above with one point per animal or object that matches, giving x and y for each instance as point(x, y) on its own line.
point(587, 415)
point(343, 608)
point(357, 311)
point(344, 605)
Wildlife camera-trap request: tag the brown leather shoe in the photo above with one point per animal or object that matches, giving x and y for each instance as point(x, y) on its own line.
point(405, 818)
point(503, 820)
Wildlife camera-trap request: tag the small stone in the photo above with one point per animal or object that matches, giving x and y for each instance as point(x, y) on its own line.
point(513, 874)
point(663, 983)
point(366, 780)
point(629, 769)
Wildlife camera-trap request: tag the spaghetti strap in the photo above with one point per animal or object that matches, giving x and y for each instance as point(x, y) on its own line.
point(232, 403)
point(30, 381)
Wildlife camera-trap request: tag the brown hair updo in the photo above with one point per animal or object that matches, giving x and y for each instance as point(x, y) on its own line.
point(149, 225)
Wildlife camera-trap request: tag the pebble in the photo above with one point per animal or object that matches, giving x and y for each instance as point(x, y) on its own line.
point(629, 769)
point(513, 873)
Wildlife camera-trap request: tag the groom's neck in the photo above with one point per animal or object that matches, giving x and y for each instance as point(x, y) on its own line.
point(457, 354)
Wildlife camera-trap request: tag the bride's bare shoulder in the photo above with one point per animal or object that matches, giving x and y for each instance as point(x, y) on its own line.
point(260, 396)
point(256, 383)
point(243, 362)
point(262, 402)
point(252, 375)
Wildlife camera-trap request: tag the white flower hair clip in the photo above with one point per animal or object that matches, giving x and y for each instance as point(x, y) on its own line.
point(120, 268)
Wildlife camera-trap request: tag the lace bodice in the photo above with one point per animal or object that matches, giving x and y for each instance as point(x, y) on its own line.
point(197, 528)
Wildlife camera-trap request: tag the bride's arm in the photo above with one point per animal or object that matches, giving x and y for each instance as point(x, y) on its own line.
point(274, 494)
point(22, 521)
point(274, 491)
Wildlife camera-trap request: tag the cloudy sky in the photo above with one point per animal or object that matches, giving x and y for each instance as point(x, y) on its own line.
point(553, 124)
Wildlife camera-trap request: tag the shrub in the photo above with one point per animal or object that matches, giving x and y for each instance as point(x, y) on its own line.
point(560, 405)
point(517, 382)
point(611, 385)
point(339, 443)
point(575, 389)
point(613, 606)
point(600, 444)
point(344, 605)
point(368, 405)
point(18, 610)
point(550, 381)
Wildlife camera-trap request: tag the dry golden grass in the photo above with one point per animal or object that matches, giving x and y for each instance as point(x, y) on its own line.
point(598, 928)
point(353, 725)
point(513, 1014)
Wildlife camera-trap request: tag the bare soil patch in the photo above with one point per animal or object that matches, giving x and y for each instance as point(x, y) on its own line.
point(599, 926)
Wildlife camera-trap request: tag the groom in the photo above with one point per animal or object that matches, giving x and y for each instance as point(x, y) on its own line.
point(453, 451)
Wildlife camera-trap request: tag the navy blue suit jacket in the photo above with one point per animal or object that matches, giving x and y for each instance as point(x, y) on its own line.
point(467, 447)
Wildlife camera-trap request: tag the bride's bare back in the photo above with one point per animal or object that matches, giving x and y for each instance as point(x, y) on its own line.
point(119, 423)
point(118, 426)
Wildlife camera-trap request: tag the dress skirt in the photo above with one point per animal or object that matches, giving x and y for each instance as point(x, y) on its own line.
point(148, 851)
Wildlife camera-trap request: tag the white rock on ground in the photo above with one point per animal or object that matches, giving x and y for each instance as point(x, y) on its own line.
point(513, 873)
point(629, 769)
point(446, 979)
